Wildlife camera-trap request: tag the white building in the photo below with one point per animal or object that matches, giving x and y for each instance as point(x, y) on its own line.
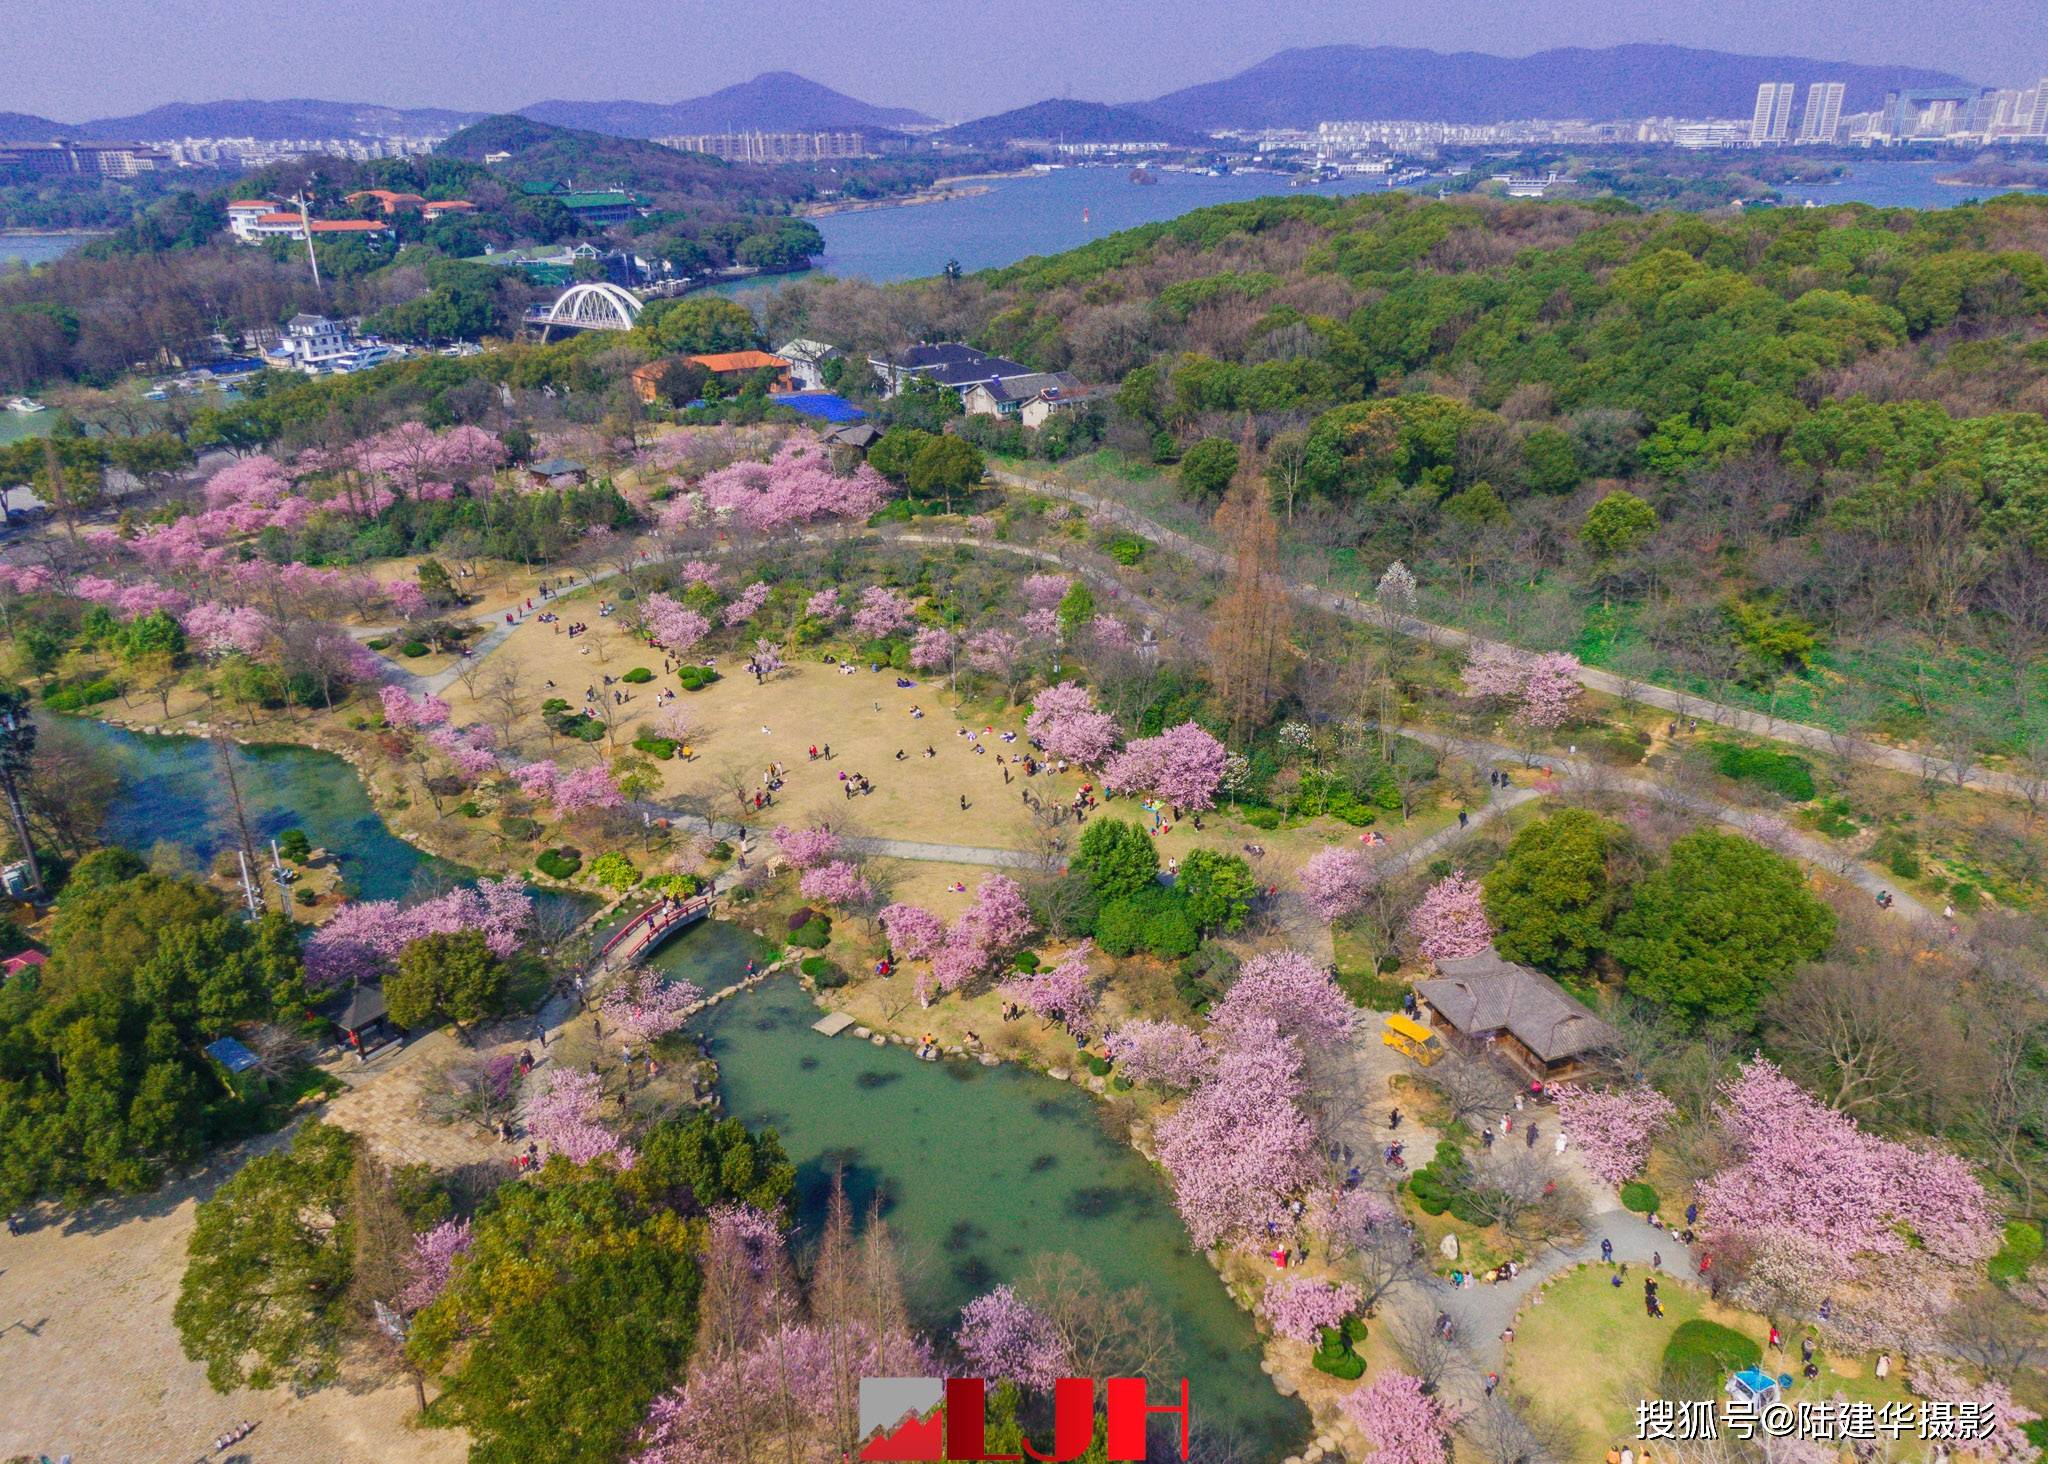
point(1823, 115)
point(313, 343)
point(1772, 119)
point(807, 360)
point(243, 214)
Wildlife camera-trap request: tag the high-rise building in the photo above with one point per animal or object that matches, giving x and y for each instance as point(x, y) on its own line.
point(1772, 120)
point(2037, 125)
point(1823, 116)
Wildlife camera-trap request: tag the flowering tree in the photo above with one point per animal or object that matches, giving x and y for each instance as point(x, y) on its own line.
point(700, 572)
point(882, 612)
point(838, 883)
point(1003, 1336)
point(824, 605)
point(1347, 1218)
point(364, 937)
point(806, 848)
point(1064, 994)
point(563, 1115)
point(1161, 1054)
point(2005, 1442)
point(1546, 687)
point(1000, 920)
point(1040, 625)
point(471, 750)
point(645, 1005)
point(746, 604)
point(1290, 992)
point(1334, 882)
point(1406, 1424)
point(431, 1261)
point(1045, 591)
point(932, 649)
point(1111, 634)
point(1240, 1145)
point(1300, 1308)
point(1183, 765)
point(993, 652)
point(1493, 670)
point(1065, 722)
point(585, 790)
point(1450, 922)
point(795, 487)
point(914, 932)
point(1395, 593)
point(1810, 1176)
point(1612, 1129)
point(218, 629)
point(672, 625)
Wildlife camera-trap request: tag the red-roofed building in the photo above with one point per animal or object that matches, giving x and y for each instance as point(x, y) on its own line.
point(745, 363)
point(286, 225)
point(443, 207)
point(391, 203)
point(26, 961)
point(244, 212)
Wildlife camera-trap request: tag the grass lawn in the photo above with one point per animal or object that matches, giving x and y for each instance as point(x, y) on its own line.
point(1585, 1354)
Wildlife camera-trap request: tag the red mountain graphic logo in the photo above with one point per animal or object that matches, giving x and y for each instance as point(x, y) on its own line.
point(914, 1438)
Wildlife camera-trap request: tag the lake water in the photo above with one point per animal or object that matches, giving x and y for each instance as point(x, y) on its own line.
point(979, 1170)
point(1051, 212)
point(37, 248)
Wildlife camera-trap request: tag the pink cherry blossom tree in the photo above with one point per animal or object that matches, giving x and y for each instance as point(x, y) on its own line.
point(1000, 920)
point(838, 882)
point(806, 848)
point(563, 1114)
point(220, 630)
point(1045, 591)
point(1003, 1336)
point(1159, 1054)
point(700, 572)
point(1063, 994)
point(1450, 922)
point(646, 1005)
point(795, 487)
point(1293, 994)
point(1111, 634)
point(1040, 625)
point(1612, 1129)
point(746, 604)
point(1299, 1308)
point(432, 1261)
point(1335, 882)
point(584, 791)
point(914, 933)
point(882, 612)
point(1551, 692)
point(1406, 1424)
point(672, 625)
point(824, 605)
point(472, 750)
point(364, 937)
point(1066, 723)
point(993, 652)
point(1182, 765)
point(933, 649)
point(1347, 1218)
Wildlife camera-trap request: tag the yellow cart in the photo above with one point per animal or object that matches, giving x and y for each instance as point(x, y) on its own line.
point(1405, 1034)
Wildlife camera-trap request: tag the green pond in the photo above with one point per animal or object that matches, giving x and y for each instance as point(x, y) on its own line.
point(978, 1170)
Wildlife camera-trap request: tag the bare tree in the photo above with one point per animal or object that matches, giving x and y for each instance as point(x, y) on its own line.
point(1469, 1089)
point(1418, 1336)
point(1872, 1037)
point(1383, 1265)
point(506, 690)
point(1505, 1434)
point(1993, 1332)
point(1105, 1333)
point(1525, 1193)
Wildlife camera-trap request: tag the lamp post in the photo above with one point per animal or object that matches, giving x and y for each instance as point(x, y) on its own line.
point(17, 743)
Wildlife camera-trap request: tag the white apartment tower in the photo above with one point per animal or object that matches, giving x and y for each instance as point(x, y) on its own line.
point(2037, 125)
point(1823, 116)
point(1772, 120)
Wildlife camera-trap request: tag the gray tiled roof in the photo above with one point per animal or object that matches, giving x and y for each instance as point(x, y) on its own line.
point(1484, 993)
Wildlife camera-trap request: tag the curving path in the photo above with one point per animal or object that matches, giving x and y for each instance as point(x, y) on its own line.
point(1684, 704)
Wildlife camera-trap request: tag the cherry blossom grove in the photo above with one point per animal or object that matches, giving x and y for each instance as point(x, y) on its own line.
point(1299, 1308)
point(1407, 1423)
point(1335, 882)
point(1003, 1336)
point(1065, 722)
point(1450, 921)
point(806, 848)
point(364, 937)
point(1612, 1129)
point(562, 1114)
point(1063, 994)
point(794, 488)
point(1160, 1054)
point(1182, 765)
point(1292, 994)
point(647, 1005)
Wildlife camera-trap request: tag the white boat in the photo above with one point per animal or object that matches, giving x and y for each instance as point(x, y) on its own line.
point(25, 404)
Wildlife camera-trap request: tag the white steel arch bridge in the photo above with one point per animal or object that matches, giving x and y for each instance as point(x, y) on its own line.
point(593, 306)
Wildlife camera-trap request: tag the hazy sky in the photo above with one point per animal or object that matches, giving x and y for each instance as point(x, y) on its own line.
point(74, 59)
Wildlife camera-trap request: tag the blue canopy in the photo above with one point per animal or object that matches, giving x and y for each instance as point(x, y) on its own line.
point(231, 1054)
point(824, 405)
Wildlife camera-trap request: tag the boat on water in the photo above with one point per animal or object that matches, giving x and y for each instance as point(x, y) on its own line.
point(25, 404)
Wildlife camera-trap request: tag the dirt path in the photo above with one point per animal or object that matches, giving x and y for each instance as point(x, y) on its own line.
point(1685, 704)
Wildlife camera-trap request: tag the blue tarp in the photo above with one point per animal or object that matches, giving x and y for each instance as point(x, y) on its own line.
point(231, 1054)
point(824, 405)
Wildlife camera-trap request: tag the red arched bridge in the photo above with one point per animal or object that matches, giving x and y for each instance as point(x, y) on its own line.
point(640, 935)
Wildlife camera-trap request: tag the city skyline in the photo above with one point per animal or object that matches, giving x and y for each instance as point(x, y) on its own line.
point(499, 55)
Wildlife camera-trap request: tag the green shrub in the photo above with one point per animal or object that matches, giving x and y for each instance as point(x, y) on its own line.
point(580, 729)
point(1639, 1197)
point(1126, 549)
point(559, 863)
point(379, 643)
point(1965, 896)
point(676, 886)
point(695, 677)
point(1699, 1356)
point(1120, 928)
point(518, 826)
point(1440, 1185)
point(1371, 991)
point(1119, 1085)
point(638, 676)
point(1098, 1065)
point(470, 809)
point(78, 697)
point(1169, 933)
point(662, 748)
point(413, 649)
point(1262, 818)
point(720, 852)
point(1354, 1329)
point(813, 936)
point(1027, 961)
point(295, 845)
point(1784, 773)
point(554, 706)
point(822, 971)
point(614, 870)
point(1335, 1354)
point(305, 897)
point(2017, 1256)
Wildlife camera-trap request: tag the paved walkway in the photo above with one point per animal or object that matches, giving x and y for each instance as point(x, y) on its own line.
point(1930, 765)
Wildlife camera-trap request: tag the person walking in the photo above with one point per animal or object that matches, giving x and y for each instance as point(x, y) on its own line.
point(1606, 1251)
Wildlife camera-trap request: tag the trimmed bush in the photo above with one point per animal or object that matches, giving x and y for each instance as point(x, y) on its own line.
point(413, 650)
point(1027, 962)
point(638, 676)
point(517, 826)
point(828, 976)
point(554, 706)
point(380, 643)
point(1639, 1197)
point(84, 694)
point(696, 678)
point(559, 863)
point(1098, 1065)
point(661, 748)
point(1334, 1353)
point(1126, 549)
point(614, 870)
point(295, 845)
point(1699, 1357)
point(581, 729)
point(1119, 1085)
point(305, 897)
point(1789, 776)
point(813, 936)
point(803, 915)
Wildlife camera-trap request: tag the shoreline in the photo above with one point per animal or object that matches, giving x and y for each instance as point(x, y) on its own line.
point(908, 200)
point(27, 233)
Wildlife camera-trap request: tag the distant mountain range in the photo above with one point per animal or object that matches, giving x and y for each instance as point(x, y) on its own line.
point(775, 100)
point(1300, 88)
point(1072, 122)
point(1296, 88)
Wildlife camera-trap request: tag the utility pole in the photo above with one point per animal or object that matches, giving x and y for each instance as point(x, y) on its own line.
point(306, 228)
point(17, 744)
point(223, 755)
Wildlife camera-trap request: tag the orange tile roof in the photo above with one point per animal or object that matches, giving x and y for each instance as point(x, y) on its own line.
point(444, 204)
point(348, 226)
point(722, 361)
point(253, 203)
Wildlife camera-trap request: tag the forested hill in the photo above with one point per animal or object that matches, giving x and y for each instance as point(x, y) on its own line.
point(1072, 122)
point(777, 101)
point(543, 153)
point(1302, 87)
